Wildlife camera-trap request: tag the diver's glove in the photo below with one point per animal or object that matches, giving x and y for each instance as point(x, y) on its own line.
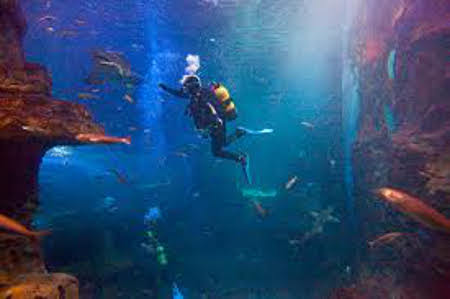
point(218, 122)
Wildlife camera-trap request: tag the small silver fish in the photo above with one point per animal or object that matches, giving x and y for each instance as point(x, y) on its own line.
point(87, 96)
point(307, 125)
point(46, 18)
point(33, 129)
point(291, 183)
point(80, 22)
point(294, 242)
point(128, 98)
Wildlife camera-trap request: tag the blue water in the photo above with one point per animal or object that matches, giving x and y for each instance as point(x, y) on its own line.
point(282, 62)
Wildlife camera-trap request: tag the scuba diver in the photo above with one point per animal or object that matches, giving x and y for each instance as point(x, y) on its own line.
point(210, 109)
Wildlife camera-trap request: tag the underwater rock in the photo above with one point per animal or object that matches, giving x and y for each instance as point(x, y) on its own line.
point(413, 86)
point(31, 79)
point(437, 171)
point(31, 122)
point(385, 286)
point(11, 33)
point(18, 256)
point(51, 286)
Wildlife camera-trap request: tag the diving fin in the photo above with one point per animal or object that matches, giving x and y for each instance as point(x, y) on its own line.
point(256, 132)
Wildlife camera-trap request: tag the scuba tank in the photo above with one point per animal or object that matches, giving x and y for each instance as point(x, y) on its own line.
point(225, 102)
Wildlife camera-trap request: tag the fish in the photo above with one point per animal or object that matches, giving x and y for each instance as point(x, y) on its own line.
point(46, 18)
point(87, 96)
point(121, 178)
point(34, 129)
point(100, 138)
point(415, 209)
point(113, 67)
point(148, 248)
point(113, 209)
point(307, 125)
point(12, 225)
point(128, 98)
point(120, 69)
point(291, 183)
point(68, 33)
point(137, 46)
point(155, 185)
point(79, 22)
point(294, 242)
point(398, 13)
point(181, 154)
point(385, 239)
point(262, 212)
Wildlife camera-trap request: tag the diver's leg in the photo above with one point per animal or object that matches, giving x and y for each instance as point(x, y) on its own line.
point(218, 142)
point(238, 133)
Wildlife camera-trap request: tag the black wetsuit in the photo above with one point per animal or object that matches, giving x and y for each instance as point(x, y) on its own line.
point(200, 109)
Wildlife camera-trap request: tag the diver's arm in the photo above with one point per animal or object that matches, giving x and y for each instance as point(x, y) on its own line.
point(214, 113)
point(175, 92)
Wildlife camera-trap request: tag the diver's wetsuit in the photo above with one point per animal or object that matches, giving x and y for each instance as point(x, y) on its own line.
point(204, 118)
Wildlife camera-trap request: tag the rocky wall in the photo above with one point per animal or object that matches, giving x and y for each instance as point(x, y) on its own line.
point(31, 122)
point(400, 51)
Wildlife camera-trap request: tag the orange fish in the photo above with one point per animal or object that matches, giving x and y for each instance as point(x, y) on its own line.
point(100, 138)
point(416, 209)
point(120, 177)
point(263, 213)
point(385, 239)
point(12, 225)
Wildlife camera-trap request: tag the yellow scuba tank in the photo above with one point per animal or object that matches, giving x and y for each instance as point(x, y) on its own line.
point(224, 101)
